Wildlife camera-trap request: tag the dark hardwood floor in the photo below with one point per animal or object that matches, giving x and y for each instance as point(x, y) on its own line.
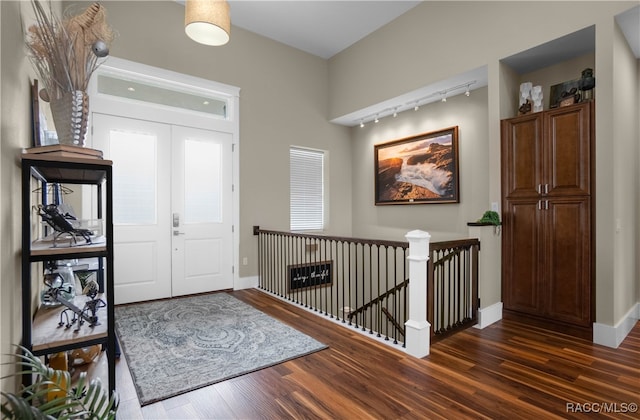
point(508, 370)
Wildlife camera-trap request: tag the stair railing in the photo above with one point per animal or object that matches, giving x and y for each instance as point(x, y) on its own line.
point(366, 283)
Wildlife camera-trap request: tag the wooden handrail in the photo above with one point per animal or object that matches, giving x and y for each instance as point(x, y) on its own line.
point(397, 244)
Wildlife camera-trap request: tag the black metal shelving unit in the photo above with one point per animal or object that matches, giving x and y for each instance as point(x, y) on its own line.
point(40, 333)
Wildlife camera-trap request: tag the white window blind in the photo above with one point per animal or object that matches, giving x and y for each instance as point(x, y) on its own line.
point(306, 189)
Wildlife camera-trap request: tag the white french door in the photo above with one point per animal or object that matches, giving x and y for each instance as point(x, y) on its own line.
point(201, 211)
point(172, 207)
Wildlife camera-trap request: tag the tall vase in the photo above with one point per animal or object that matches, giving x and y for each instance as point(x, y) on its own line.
point(70, 115)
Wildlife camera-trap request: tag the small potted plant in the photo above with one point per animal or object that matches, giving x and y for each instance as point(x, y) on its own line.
point(489, 218)
point(85, 400)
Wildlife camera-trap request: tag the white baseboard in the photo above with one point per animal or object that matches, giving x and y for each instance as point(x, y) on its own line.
point(489, 315)
point(246, 283)
point(612, 336)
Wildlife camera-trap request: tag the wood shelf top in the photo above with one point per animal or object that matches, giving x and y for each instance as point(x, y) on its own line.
point(42, 249)
point(67, 164)
point(46, 334)
point(66, 153)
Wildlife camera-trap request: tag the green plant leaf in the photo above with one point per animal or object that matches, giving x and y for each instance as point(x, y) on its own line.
point(490, 217)
point(74, 404)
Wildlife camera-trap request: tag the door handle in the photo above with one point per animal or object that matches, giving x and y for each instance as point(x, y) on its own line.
point(176, 233)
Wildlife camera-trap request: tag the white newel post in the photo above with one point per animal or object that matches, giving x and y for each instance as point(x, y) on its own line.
point(417, 328)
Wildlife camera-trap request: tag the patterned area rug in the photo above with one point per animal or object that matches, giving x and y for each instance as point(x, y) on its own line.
point(178, 345)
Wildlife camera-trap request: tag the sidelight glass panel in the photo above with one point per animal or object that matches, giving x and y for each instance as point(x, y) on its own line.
point(134, 158)
point(202, 183)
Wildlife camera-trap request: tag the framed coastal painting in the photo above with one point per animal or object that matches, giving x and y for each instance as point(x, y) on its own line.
point(418, 170)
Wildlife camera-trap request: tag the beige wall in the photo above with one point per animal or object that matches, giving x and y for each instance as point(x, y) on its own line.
point(442, 221)
point(438, 39)
point(14, 135)
point(625, 143)
point(283, 102)
point(5, 369)
point(426, 45)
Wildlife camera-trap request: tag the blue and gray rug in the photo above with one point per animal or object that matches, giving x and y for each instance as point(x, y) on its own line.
point(178, 345)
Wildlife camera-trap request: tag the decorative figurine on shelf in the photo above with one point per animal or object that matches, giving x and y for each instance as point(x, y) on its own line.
point(587, 83)
point(61, 224)
point(84, 355)
point(524, 102)
point(57, 280)
point(536, 97)
point(88, 313)
point(569, 97)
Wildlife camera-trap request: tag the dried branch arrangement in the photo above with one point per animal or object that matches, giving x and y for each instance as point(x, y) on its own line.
point(65, 52)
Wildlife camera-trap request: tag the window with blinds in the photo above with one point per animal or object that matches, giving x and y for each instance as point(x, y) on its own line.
point(306, 183)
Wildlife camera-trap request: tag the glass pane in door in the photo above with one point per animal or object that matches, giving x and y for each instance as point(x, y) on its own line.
point(203, 180)
point(134, 158)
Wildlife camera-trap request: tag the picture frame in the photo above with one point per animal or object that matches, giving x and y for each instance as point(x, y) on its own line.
point(556, 92)
point(421, 169)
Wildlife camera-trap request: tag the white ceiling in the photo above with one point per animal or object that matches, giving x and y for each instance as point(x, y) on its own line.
point(629, 22)
point(322, 28)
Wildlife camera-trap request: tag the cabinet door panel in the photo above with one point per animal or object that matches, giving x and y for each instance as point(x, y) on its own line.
point(521, 154)
point(568, 150)
point(521, 244)
point(568, 260)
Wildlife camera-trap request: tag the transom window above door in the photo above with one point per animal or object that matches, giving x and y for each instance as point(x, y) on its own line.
point(144, 91)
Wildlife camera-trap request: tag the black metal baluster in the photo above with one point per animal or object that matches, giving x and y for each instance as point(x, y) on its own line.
point(343, 281)
point(363, 314)
point(349, 288)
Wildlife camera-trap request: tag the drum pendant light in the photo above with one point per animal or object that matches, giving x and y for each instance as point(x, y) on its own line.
point(207, 21)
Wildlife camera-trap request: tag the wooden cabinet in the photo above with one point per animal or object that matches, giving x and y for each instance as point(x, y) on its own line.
point(41, 331)
point(547, 153)
point(547, 217)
